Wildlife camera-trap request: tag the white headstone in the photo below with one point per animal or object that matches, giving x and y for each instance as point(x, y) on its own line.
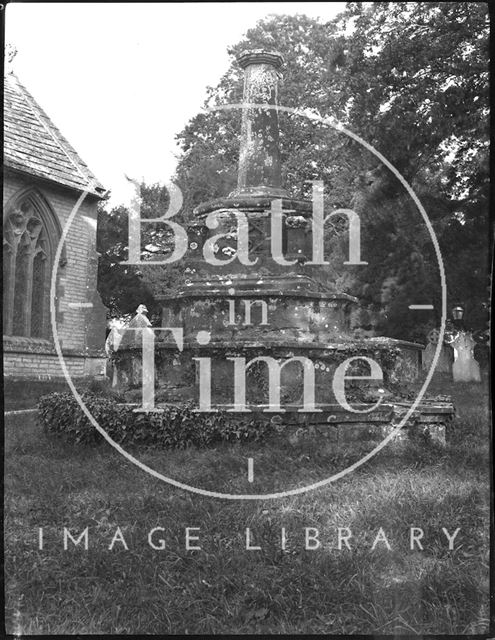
point(465, 367)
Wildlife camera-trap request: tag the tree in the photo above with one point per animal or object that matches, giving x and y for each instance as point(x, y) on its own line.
point(124, 287)
point(421, 93)
point(411, 79)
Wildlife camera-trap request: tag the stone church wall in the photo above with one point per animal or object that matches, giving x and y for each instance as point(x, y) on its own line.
point(81, 330)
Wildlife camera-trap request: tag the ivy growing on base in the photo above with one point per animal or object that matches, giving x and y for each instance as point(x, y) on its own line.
point(178, 426)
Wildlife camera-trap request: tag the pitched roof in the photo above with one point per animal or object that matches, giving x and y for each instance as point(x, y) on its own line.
point(33, 144)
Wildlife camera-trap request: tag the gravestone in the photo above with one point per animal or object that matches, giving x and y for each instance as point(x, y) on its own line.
point(465, 367)
point(445, 358)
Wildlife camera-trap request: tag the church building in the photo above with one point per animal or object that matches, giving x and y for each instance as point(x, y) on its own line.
point(43, 180)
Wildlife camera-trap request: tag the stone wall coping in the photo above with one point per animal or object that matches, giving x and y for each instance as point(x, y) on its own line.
point(255, 202)
point(398, 342)
point(41, 346)
point(252, 344)
point(20, 341)
point(255, 293)
point(53, 378)
point(385, 411)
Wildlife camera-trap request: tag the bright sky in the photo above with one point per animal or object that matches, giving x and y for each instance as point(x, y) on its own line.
point(121, 79)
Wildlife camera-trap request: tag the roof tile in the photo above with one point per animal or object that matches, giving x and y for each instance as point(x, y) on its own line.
point(32, 143)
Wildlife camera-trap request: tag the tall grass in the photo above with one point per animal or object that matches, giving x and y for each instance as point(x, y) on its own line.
point(224, 588)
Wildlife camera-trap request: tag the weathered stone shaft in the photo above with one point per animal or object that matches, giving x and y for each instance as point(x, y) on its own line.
point(259, 156)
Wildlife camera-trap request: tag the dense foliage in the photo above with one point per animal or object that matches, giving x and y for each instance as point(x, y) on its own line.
point(176, 427)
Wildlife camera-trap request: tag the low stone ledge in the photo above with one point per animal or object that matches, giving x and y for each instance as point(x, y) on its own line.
point(333, 424)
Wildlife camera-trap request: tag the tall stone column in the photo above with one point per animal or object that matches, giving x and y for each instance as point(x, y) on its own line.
point(259, 156)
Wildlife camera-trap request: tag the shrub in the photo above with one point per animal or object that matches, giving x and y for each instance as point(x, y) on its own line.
point(176, 427)
point(103, 388)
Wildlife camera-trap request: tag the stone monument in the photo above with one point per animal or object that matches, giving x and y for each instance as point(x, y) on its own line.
point(243, 323)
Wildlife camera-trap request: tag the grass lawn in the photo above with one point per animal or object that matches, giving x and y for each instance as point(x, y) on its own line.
point(225, 588)
point(18, 395)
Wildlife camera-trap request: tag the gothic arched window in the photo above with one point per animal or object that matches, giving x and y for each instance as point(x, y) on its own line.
point(29, 238)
